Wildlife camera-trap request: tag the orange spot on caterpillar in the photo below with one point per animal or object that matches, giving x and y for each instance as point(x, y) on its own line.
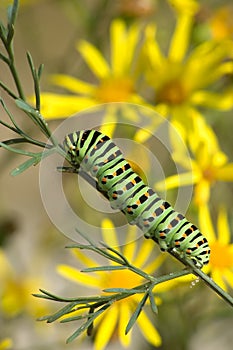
point(162, 234)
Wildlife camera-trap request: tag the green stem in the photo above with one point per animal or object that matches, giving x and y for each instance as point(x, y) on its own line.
point(10, 93)
point(210, 282)
point(15, 74)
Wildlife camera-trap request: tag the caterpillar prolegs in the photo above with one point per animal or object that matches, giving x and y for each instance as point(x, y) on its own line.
point(126, 191)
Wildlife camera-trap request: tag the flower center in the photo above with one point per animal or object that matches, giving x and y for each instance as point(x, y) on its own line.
point(114, 90)
point(221, 255)
point(209, 174)
point(173, 93)
point(121, 279)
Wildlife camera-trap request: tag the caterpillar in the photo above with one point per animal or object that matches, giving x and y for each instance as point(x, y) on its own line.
point(98, 155)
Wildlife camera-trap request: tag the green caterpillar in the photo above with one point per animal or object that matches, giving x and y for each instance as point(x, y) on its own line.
point(99, 156)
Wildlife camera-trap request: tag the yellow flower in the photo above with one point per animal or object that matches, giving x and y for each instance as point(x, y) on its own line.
point(220, 266)
point(209, 164)
point(114, 320)
point(6, 344)
point(116, 80)
point(16, 291)
point(221, 24)
point(182, 79)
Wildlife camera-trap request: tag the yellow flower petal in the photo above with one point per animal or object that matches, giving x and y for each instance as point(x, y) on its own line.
point(202, 192)
point(84, 258)
point(72, 84)
point(118, 46)
point(180, 39)
point(148, 330)
point(129, 249)
point(79, 277)
point(94, 59)
point(228, 275)
point(109, 234)
point(174, 181)
point(224, 234)
point(61, 106)
point(220, 101)
point(124, 316)
point(152, 48)
point(146, 248)
point(106, 328)
point(218, 278)
point(6, 344)
point(225, 173)
point(187, 6)
point(133, 38)
point(205, 223)
point(109, 120)
point(155, 264)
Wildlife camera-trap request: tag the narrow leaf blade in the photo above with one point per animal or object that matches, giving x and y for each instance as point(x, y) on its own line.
point(153, 305)
point(24, 166)
point(136, 313)
point(104, 268)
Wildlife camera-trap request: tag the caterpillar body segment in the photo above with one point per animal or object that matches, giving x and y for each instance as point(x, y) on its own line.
point(94, 152)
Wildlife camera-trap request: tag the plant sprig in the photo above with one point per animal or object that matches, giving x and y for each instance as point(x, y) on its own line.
point(8, 58)
point(95, 305)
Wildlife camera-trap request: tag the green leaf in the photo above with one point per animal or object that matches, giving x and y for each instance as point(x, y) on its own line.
point(30, 61)
point(24, 166)
point(40, 70)
point(87, 324)
point(104, 268)
point(123, 290)
point(25, 106)
point(153, 305)
point(12, 12)
point(136, 313)
point(10, 34)
point(75, 318)
point(19, 151)
point(3, 32)
point(63, 311)
point(115, 252)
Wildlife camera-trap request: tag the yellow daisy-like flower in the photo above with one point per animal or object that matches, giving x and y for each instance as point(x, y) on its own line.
point(220, 266)
point(183, 78)
point(116, 79)
point(115, 319)
point(16, 291)
point(221, 24)
point(6, 344)
point(208, 165)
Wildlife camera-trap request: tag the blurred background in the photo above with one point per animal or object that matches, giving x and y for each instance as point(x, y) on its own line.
point(190, 317)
